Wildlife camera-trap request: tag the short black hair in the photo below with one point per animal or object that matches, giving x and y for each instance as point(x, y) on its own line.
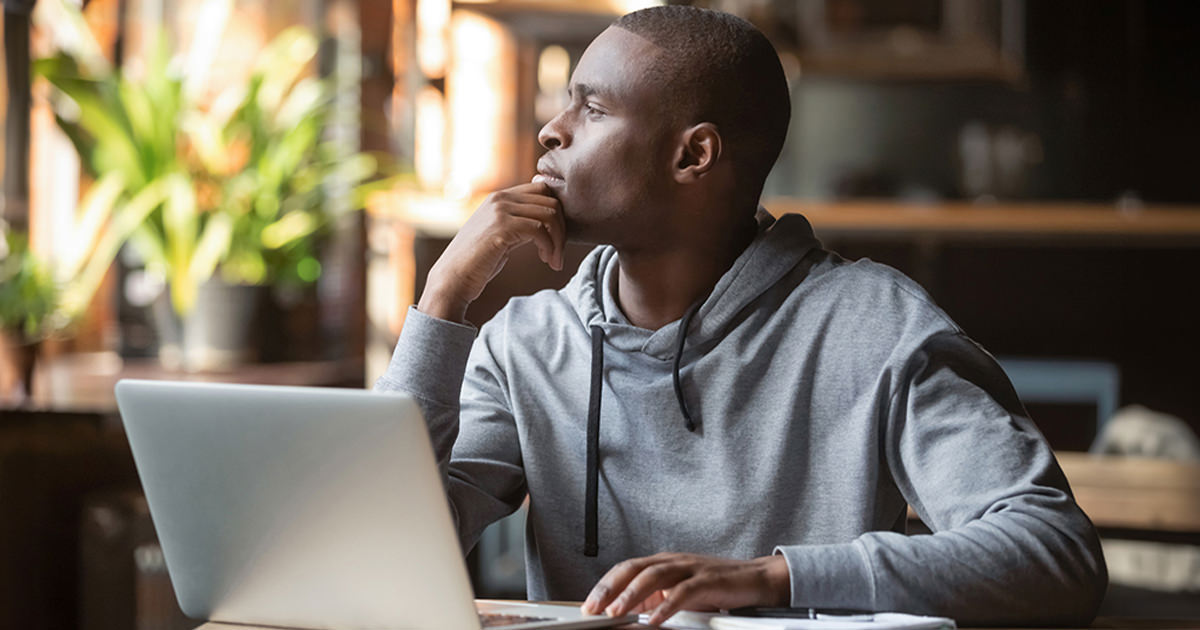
point(719, 68)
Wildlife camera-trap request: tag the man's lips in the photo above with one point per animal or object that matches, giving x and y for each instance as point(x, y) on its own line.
point(547, 174)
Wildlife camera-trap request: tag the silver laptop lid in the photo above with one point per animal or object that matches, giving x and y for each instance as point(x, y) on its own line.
point(297, 507)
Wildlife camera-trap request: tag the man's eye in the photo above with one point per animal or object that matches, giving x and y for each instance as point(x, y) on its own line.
point(592, 111)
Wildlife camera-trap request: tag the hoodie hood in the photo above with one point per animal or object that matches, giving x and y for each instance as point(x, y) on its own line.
point(779, 246)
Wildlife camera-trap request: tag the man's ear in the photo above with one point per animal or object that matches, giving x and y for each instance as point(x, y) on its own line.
point(698, 152)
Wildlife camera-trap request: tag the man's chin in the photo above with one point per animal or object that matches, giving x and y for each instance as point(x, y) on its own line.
point(579, 232)
point(588, 232)
point(575, 231)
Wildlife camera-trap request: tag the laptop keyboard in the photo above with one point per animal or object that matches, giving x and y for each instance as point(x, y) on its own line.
point(495, 620)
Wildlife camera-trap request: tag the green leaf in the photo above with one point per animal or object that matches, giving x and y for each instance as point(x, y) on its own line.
point(141, 115)
point(28, 293)
point(204, 136)
point(266, 205)
point(84, 145)
point(126, 218)
point(181, 227)
point(310, 97)
point(292, 227)
point(95, 211)
point(105, 121)
point(355, 168)
point(283, 60)
point(70, 31)
point(245, 267)
point(165, 91)
point(284, 158)
point(57, 65)
point(214, 243)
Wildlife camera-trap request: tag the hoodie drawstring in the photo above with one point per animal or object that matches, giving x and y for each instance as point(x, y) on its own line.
point(590, 546)
point(683, 327)
point(591, 500)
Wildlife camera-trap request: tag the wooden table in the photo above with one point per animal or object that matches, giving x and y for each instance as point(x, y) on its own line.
point(1136, 497)
point(83, 382)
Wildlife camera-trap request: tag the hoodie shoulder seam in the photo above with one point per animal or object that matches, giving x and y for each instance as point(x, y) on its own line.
point(890, 274)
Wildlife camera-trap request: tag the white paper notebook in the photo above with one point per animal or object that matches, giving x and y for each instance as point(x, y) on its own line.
point(878, 621)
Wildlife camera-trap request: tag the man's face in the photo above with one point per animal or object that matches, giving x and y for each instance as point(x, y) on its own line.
point(609, 153)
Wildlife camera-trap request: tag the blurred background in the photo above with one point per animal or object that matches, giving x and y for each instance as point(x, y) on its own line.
point(253, 191)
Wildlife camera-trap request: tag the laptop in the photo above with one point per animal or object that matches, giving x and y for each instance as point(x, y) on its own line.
point(302, 507)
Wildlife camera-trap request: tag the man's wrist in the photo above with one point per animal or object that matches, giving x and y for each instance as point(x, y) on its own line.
point(778, 580)
point(437, 302)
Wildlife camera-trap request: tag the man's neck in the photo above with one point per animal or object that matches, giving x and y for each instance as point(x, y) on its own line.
point(656, 286)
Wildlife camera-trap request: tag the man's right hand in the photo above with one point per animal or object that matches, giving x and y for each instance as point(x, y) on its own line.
point(506, 220)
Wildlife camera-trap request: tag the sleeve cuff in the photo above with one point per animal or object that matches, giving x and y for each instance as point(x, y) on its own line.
point(830, 576)
point(430, 358)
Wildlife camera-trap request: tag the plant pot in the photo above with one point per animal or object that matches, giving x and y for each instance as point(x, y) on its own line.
point(17, 358)
point(218, 335)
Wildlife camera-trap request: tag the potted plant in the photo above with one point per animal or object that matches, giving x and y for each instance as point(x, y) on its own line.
point(221, 198)
point(28, 309)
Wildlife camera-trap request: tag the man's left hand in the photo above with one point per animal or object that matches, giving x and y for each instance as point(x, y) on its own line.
point(666, 583)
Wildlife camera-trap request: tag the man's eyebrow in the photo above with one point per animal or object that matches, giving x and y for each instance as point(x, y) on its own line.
point(583, 90)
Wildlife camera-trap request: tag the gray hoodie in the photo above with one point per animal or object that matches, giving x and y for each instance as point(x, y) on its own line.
point(824, 396)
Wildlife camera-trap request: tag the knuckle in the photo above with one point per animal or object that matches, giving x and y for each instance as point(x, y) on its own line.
point(501, 241)
point(639, 586)
point(657, 570)
point(685, 591)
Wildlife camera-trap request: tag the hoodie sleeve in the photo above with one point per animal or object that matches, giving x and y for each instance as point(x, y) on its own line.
point(1010, 546)
point(432, 359)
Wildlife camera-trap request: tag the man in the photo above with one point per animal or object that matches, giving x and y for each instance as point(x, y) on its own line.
point(715, 412)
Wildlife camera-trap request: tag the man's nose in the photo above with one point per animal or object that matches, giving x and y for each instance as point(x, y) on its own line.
point(552, 135)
